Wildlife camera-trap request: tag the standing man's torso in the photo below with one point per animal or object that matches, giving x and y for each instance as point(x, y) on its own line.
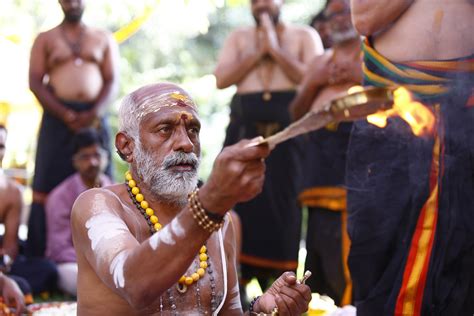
point(268, 74)
point(75, 78)
point(430, 30)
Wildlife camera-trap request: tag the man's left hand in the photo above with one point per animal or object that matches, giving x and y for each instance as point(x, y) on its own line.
point(286, 294)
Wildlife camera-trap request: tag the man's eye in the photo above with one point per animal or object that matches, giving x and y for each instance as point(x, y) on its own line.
point(194, 130)
point(164, 129)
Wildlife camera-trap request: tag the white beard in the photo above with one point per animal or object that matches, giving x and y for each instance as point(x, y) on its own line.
point(167, 185)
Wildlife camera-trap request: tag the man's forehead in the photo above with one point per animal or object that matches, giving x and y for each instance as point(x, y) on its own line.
point(157, 98)
point(173, 113)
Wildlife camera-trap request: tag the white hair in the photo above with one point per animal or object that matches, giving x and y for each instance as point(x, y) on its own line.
point(129, 123)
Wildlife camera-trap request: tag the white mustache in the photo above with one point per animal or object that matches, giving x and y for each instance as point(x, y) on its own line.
point(180, 158)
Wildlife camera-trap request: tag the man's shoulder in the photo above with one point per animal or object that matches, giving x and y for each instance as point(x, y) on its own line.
point(98, 199)
point(242, 31)
point(11, 189)
point(301, 29)
point(48, 34)
point(99, 32)
point(99, 194)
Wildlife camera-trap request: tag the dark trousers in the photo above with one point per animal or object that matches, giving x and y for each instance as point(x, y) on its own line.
point(41, 274)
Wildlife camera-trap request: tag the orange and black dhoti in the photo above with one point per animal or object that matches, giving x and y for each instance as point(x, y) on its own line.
point(410, 199)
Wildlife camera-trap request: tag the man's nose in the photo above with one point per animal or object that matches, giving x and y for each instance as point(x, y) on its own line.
point(260, 4)
point(182, 141)
point(75, 3)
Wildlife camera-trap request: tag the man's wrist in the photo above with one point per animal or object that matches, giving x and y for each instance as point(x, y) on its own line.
point(211, 203)
point(252, 307)
point(207, 220)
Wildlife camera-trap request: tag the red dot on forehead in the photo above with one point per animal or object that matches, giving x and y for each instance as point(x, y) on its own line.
point(184, 117)
point(181, 103)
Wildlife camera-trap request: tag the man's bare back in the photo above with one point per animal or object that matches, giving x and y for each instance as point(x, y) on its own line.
point(74, 78)
point(427, 30)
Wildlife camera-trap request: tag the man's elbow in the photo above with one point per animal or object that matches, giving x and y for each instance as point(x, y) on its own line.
point(363, 25)
point(35, 84)
point(221, 83)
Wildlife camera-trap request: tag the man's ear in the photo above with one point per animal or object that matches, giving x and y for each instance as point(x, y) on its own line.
point(124, 145)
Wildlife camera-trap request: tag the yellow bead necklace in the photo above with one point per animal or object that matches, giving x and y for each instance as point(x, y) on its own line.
point(139, 200)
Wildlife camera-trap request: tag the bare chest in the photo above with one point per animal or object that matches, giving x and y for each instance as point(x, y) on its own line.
point(87, 48)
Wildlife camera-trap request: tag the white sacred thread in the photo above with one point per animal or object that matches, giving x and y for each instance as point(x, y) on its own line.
point(116, 269)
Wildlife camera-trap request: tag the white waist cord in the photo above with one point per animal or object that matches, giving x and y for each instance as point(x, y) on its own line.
point(224, 271)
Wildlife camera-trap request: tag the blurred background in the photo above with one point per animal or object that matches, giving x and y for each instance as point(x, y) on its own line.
point(159, 40)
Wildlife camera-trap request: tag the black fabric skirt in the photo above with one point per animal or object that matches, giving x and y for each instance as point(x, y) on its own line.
point(271, 221)
point(54, 164)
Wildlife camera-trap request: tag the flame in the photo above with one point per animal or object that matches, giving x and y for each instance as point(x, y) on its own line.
point(417, 115)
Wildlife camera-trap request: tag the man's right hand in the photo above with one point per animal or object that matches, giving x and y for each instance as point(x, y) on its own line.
point(237, 175)
point(12, 294)
point(80, 120)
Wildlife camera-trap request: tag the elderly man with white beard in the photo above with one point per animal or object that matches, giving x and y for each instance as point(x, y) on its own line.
point(157, 245)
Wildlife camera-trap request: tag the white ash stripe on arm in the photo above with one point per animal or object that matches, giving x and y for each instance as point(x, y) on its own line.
point(168, 235)
point(116, 269)
point(234, 295)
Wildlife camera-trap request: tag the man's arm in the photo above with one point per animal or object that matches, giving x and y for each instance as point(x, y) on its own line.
point(37, 71)
point(12, 221)
point(233, 65)
point(110, 75)
point(315, 78)
point(102, 236)
point(310, 45)
point(371, 16)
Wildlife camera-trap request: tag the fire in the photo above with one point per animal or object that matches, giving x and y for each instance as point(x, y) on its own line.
point(418, 116)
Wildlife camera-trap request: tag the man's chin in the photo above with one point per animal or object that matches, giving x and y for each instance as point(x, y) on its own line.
point(73, 18)
point(174, 198)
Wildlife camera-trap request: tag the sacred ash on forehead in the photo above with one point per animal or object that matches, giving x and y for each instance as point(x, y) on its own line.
point(153, 103)
point(148, 99)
